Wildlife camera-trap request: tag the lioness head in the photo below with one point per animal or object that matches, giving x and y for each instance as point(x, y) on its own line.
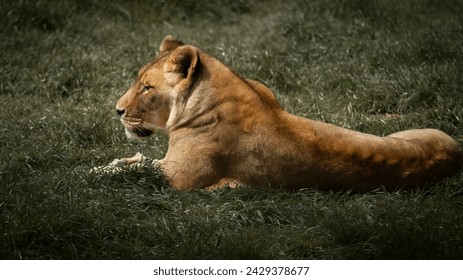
point(160, 85)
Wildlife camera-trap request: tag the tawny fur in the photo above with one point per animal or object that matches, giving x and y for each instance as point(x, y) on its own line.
point(227, 130)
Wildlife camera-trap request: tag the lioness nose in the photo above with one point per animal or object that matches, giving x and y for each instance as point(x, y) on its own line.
point(120, 112)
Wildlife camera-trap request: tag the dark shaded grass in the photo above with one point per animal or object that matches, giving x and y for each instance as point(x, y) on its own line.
point(374, 66)
point(141, 219)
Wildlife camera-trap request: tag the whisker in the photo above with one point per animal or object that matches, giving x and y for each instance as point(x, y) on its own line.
point(139, 127)
point(150, 125)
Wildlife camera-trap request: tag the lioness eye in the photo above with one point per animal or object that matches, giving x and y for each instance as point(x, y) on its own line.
point(146, 89)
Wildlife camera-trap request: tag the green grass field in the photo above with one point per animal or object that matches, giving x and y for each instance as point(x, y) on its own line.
point(375, 66)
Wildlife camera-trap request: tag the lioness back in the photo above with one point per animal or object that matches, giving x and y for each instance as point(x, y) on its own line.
point(333, 158)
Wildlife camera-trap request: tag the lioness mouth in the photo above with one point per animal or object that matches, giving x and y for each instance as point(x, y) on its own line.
point(135, 126)
point(131, 121)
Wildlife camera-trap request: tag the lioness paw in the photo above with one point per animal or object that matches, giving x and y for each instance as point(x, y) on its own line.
point(137, 158)
point(119, 165)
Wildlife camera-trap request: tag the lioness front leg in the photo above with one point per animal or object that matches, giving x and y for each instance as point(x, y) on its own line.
point(118, 165)
point(137, 158)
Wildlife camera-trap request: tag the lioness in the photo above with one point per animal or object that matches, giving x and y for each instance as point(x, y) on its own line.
point(227, 130)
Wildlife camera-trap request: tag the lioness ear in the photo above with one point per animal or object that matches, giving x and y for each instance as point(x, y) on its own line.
point(169, 43)
point(180, 67)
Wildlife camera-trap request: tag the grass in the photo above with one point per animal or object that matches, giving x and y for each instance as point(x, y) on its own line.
point(374, 66)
